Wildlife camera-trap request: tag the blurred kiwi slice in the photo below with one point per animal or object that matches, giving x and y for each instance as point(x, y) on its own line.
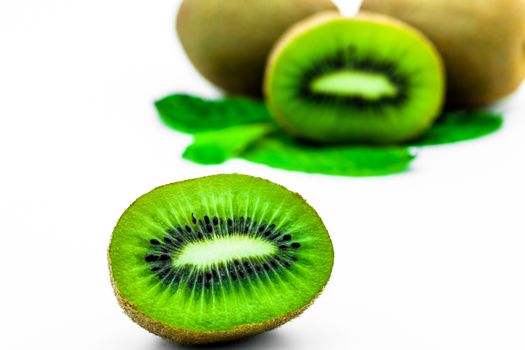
point(367, 79)
point(218, 258)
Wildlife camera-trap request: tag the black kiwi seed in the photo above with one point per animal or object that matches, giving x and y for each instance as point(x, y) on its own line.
point(275, 236)
point(236, 270)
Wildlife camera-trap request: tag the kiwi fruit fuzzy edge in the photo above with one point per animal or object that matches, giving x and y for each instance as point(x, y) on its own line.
point(482, 43)
point(228, 42)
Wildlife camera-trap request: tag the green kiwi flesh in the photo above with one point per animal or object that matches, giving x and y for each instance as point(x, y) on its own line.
point(218, 258)
point(368, 79)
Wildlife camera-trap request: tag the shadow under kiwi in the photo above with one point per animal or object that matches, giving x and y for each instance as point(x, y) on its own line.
point(267, 340)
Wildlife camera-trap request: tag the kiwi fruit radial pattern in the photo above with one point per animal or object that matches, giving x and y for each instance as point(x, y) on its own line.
point(367, 79)
point(218, 258)
point(482, 43)
point(229, 41)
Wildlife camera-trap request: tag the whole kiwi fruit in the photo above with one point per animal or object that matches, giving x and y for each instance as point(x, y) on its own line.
point(367, 79)
point(229, 41)
point(482, 43)
point(218, 258)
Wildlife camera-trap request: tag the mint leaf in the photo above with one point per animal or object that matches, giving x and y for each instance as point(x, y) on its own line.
point(243, 128)
point(280, 151)
point(461, 126)
point(215, 147)
point(192, 114)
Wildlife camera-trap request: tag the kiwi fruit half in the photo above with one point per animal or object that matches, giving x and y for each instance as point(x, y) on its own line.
point(218, 258)
point(229, 41)
point(366, 79)
point(482, 43)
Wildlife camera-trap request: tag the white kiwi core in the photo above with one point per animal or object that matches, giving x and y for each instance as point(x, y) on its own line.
point(368, 85)
point(222, 250)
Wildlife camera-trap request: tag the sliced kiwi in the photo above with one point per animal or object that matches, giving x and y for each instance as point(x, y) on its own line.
point(368, 79)
point(218, 258)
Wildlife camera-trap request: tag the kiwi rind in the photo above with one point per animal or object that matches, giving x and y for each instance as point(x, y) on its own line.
point(228, 42)
point(187, 335)
point(482, 43)
point(320, 19)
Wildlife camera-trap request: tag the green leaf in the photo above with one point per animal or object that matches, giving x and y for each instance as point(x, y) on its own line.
point(191, 114)
point(238, 127)
point(280, 151)
point(461, 126)
point(215, 147)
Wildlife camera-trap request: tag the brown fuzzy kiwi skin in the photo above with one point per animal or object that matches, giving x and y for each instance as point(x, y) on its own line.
point(190, 337)
point(482, 43)
point(319, 19)
point(229, 41)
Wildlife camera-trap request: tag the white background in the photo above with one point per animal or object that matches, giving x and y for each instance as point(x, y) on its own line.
point(431, 259)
